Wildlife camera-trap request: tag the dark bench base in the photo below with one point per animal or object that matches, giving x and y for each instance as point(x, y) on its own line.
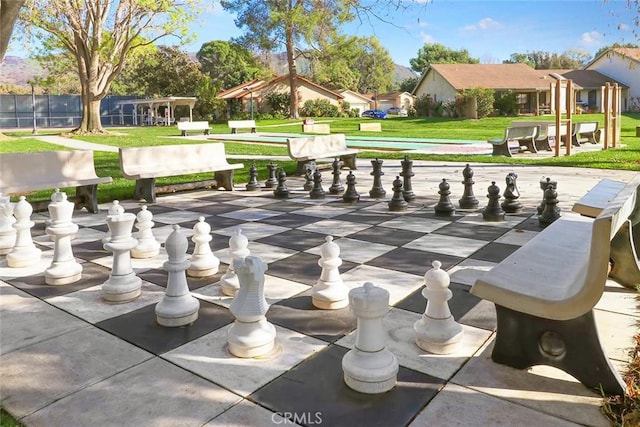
point(572, 345)
point(500, 149)
point(204, 131)
point(87, 197)
point(347, 161)
point(235, 130)
point(145, 188)
point(624, 258)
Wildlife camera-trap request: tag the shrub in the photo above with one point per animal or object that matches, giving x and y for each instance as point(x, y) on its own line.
point(319, 108)
point(506, 103)
point(423, 106)
point(279, 103)
point(484, 100)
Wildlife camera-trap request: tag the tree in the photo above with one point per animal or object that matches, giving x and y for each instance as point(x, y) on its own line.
point(375, 66)
point(408, 85)
point(519, 58)
point(229, 64)
point(436, 53)
point(289, 23)
point(98, 35)
point(603, 49)
point(541, 60)
point(9, 10)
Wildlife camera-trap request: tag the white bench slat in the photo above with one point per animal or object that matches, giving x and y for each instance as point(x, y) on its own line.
point(592, 203)
point(234, 125)
point(198, 125)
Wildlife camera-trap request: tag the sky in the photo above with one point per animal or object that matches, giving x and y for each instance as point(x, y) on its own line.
point(490, 30)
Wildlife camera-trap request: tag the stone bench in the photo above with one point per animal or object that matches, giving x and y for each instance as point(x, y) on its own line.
point(25, 172)
point(316, 128)
point(586, 132)
point(185, 127)
point(308, 149)
point(524, 135)
point(234, 125)
point(545, 292)
point(542, 137)
point(145, 164)
point(370, 127)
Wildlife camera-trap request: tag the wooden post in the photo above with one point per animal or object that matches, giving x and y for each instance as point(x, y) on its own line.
point(615, 113)
point(569, 108)
point(557, 105)
point(607, 124)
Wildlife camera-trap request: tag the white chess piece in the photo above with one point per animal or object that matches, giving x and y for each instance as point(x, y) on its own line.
point(330, 292)
point(437, 331)
point(203, 262)
point(123, 285)
point(178, 307)
point(63, 269)
point(114, 209)
point(7, 232)
point(238, 248)
point(251, 335)
point(370, 367)
point(148, 246)
point(24, 252)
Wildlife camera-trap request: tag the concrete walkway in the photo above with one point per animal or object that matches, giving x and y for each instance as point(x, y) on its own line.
point(76, 144)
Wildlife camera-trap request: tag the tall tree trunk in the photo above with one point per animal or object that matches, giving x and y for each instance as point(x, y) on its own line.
point(91, 122)
point(293, 75)
point(8, 14)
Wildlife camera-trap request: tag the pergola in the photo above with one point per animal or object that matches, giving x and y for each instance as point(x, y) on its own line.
point(149, 114)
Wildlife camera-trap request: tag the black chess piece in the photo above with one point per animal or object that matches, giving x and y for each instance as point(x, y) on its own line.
point(377, 192)
point(407, 174)
point(544, 182)
point(336, 185)
point(397, 203)
point(468, 199)
point(317, 192)
point(493, 212)
point(309, 169)
point(444, 207)
point(511, 194)
point(551, 211)
point(351, 195)
point(272, 180)
point(281, 191)
point(253, 185)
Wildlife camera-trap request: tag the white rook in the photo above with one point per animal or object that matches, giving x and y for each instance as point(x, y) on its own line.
point(63, 269)
point(437, 331)
point(370, 367)
point(330, 292)
point(148, 246)
point(24, 252)
point(203, 262)
point(7, 232)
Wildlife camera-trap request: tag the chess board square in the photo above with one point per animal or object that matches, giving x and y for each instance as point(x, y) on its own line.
point(429, 212)
point(295, 239)
point(8, 273)
point(510, 221)
point(215, 222)
point(214, 208)
point(319, 389)
point(364, 217)
point(219, 196)
point(388, 236)
point(290, 220)
point(494, 252)
point(162, 233)
point(398, 284)
point(90, 250)
point(415, 223)
point(288, 205)
point(176, 217)
point(251, 202)
point(247, 413)
point(299, 314)
point(139, 264)
point(209, 357)
point(83, 235)
point(357, 251)
point(268, 253)
point(86, 219)
point(325, 210)
point(413, 261)
point(334, 227)
point(160, 277)
point(250, 214)
point(302, 268)
point(517, 236)
point(100, 227)
point(469, 231)
point(140, 327)
point(460, 304)
point(251, 230)
point(179, 201)
point(39, 230)
point(92, 275)
point(449, 245)
point(467, 271)
point(530, 224)
point(155, 209)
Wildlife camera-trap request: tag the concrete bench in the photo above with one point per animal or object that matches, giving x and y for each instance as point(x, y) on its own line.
point(524, 135)
point(545, 293)
point(586, 132)
point(370, 127)
point(544, 127)
point(234, 125)
point(145, 164)
point(316, 128)
point(185, 127)
point(25, 172)
point(308, 149)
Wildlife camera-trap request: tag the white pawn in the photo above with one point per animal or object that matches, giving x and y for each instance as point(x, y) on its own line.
point(114, 209)
point(63, 269)
point(370, 367)
point(251, 335)
point(148, 246)
point(238, 248)
point(437, 331)
point(123, 285)
point(203, 262)
point(24, 253)
point(330, 292)
point(7, 232)
point(178, 307)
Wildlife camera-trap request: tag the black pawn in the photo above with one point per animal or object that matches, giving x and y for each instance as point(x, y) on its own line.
point(493, 212)
point(336, 185)
point(309, 169)
point(551, 211)
point(317, 192)
point(351, 195)
point(444, 207)
point(407, 174)
point(271, 181)
point(253, 185)
point(281, 191)
point(377, 192)
point(544, 183)
point(468, 199)
point(397, 203)
point(511, 194)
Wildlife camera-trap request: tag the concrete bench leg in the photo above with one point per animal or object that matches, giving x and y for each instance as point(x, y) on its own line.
point(501, 150)
point(528, 145)
point(87, 197)
point(301, 168)
point(224, 179)
point(543, 144)
point(572, 345)
point(626, 267)
point(145, 189)
point(349, 161)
